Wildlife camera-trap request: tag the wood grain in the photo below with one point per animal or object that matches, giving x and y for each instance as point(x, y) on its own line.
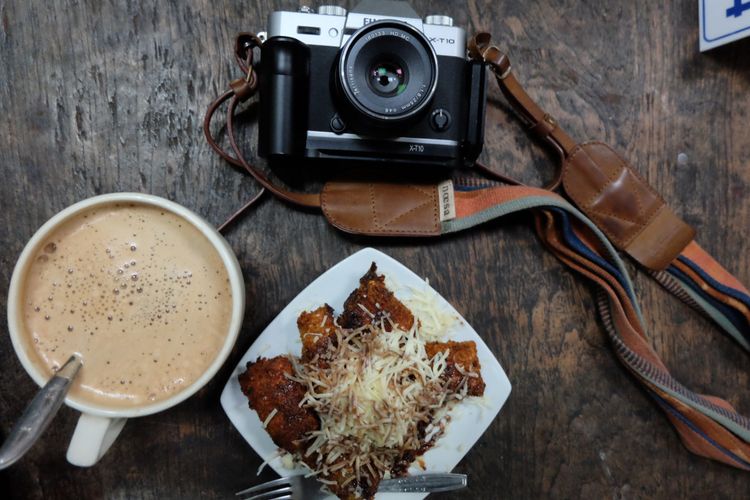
point(99, 96)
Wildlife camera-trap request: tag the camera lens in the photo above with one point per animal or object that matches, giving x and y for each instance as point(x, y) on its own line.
point(388, 71)
point(388, 79)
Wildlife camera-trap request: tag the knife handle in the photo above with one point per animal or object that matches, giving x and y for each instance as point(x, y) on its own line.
point(424, 483)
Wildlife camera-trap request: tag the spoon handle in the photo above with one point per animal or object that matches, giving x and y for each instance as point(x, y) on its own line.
point(38, 414)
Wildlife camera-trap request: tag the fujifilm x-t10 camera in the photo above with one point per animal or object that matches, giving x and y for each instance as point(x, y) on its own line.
point(378, 84)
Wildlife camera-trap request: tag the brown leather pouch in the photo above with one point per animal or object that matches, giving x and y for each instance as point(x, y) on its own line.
point(384, 209)
point(612, 194)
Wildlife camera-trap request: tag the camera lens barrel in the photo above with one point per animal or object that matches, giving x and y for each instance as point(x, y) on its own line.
point(284, 82)
point(387, 72)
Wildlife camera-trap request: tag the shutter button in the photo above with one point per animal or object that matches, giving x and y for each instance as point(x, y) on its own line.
point(440, 120)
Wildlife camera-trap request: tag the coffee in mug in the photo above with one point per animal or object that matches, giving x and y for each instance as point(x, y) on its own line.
point(146, 292)
point(138, 293)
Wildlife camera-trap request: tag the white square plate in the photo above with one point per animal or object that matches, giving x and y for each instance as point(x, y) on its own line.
point(469, 419)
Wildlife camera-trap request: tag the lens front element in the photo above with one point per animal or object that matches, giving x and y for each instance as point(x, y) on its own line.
point(388, 79)
point(388, 71)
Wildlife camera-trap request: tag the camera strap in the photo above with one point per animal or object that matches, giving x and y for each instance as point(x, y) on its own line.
point(614, 209)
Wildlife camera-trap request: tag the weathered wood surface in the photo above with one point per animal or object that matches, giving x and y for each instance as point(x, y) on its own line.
point(102, 96)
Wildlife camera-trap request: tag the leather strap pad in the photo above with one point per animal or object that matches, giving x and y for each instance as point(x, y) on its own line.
point(612, 194)
point(382, 209)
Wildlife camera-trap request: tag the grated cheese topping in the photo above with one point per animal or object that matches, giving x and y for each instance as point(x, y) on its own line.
point(378, 395)
point(269, 417)
point(435, 321)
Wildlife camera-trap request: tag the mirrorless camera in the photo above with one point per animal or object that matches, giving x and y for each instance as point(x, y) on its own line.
point(377, 84)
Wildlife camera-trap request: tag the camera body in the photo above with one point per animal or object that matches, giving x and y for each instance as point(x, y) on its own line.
point(376, 85)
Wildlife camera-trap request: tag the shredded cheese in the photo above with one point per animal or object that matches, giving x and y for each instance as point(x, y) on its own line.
point(267, 461)
point(269, 417)
point(378, 395)
point(435, 321)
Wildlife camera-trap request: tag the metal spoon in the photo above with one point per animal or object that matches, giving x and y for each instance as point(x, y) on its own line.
point(38, 414)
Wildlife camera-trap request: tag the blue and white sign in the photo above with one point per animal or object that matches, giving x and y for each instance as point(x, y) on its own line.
point(723, 21)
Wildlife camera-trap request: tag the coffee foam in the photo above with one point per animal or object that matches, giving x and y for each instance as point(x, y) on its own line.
point(139, 293)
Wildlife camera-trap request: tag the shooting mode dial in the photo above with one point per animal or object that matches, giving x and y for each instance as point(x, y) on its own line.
point(439, 20)
point(331, 10)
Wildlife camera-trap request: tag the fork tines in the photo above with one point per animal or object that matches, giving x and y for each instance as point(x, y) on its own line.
point(272, 490)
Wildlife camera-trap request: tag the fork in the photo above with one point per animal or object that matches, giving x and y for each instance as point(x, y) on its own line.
point(308, 488)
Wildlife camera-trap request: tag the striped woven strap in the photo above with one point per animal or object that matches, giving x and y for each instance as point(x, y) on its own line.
point(708, 426)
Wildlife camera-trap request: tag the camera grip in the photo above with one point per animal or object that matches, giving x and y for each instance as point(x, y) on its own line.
point(284, 89)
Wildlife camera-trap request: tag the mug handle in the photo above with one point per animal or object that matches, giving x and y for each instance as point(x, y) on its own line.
point(92, 438)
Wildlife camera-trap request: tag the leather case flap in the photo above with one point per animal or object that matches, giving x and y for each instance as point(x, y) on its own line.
point(612, 194)
point(383, 209)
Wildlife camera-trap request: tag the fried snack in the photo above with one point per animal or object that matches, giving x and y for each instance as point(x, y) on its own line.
point(316, 329)
point(462, 363)
point(268, 390)
point(361, 403)
point(371, 302)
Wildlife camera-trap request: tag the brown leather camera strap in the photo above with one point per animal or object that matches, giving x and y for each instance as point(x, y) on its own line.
point(597, 179)
point(240, 91)
point(539, 122)
point(301, 199)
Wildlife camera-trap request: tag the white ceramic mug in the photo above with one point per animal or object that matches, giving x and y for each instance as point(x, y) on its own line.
point(98, 425)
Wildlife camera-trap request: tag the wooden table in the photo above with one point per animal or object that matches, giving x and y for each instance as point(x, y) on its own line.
point(102, 96)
